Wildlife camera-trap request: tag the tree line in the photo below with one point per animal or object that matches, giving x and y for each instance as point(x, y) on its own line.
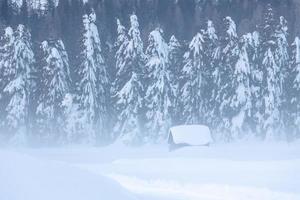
point(240, 86)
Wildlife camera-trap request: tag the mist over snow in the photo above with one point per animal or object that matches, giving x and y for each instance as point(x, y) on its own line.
point(237, 171)
point(149, 100)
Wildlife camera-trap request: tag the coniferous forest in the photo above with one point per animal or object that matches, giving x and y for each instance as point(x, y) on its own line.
point(79, 72)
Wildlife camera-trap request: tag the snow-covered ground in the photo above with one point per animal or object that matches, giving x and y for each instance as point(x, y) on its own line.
point(258, 171)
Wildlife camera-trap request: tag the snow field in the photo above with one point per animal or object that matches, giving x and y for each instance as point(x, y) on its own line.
point(267, 171)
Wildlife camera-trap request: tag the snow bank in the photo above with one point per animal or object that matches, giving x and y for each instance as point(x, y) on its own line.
point(25, 178)
point(235, 171)
point(238, 171)
point(210, 179)
point(181, 191)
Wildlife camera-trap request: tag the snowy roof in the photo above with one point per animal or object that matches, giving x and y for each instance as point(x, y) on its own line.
point(191, 134)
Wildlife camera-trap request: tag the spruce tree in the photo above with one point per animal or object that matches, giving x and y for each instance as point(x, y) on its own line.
point(88, 95)
point(160, 92)
point(191, 90)
point(241, 99)
point(271, 96)
point(256, 82)
point(93, 90)
point(270, 87)
point(281, 51)
point(122, 57)
point(211, 60)
point(53, 84)
point(129, 90)
point(175, 57)
point(228, 59)
point(282, 59)
point(19, 89)
point(102, 82)
point(16, 91)
point(6, 55)
point(175, 62)
point(294, 92)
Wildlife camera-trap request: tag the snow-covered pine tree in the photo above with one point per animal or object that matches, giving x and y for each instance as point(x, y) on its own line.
point(87, 94)
point(211, 60)
point(257, 51)
point(6, 55)
point(270, 86)
point(228, 60)
point(93, 85)
point(241, 99)
point(53, 84)
point(129, 93)
point(103, 86)
point(60, 46)
point(271, 96)
point(191, 90)
point(283, 61)
point(281, 51)
point(268, 27)
point(256, 82)
point(18, 89)
point(175, 58)
point(160, 91)
point(136, 43)
point(175, 62)
point(122, 70)
point(294, 92)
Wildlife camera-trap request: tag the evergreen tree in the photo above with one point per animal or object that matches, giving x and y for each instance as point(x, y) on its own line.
point(270, 87)
point(281, 51)
point(160, 92)
point(53, 84)
point(294, 92)
point(103, 87)
point(16, 92)
point(271, 96)
point(260, 39)
point(283, 61)
point(136, 43)
point(121, 59)
point(93, 85)
point(6, 54)
point(20, 85)
point(228, 60)
point(175, 62)
point(211, 60)
point(123, 72)
point(268, 27)
point(256, 81)
point(175, 57)
point(241, 99)
point(191, 90)
point(6, 58)
point(130, 62)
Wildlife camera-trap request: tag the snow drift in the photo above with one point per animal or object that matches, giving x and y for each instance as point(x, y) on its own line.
point(25, 178)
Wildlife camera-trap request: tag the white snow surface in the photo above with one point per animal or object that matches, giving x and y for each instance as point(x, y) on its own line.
point(191, 134)
point(240, 171)
point(23, 177)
